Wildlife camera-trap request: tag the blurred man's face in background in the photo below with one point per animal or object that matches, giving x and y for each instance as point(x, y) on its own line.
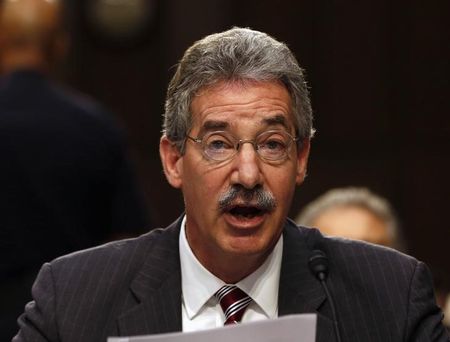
point(353, 222)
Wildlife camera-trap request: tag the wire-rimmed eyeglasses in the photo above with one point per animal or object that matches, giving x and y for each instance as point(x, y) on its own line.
point(273, 145)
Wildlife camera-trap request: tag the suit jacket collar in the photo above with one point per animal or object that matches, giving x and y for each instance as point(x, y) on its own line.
point(157, 287)
point(300, 291)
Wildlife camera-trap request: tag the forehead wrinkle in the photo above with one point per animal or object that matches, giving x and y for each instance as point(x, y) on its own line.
point(226, 107)
point(221, 125)
point(274, 116)
point(253, 105)
point(227, 100)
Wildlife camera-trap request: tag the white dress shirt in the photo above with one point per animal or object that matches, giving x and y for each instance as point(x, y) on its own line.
point(201, 310)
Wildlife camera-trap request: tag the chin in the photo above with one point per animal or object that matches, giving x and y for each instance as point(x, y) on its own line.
point(247, 246)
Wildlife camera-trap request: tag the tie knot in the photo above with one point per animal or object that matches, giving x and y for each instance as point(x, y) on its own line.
point(233, 301)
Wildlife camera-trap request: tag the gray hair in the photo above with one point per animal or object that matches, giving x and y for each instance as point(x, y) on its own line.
point(239, 54)
point(359, 197)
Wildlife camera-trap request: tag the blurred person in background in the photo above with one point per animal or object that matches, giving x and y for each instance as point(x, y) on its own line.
point(354, 213)
point(359, 214)
point(65, 179)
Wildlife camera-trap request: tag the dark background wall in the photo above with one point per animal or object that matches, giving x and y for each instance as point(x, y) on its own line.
point(379, 74)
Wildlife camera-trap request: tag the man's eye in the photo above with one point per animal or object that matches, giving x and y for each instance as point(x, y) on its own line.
point(218, 143)
point(273, 145)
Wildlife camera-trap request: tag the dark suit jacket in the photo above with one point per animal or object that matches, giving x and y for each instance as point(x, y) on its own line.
point(65, 183)
point(133, 287)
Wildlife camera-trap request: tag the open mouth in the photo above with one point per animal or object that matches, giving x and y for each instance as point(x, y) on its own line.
point(248, 212)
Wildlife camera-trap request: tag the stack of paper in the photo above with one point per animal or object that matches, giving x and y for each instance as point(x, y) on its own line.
point(294, 328)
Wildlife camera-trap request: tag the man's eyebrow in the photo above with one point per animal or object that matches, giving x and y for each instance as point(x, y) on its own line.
point(276, 120)
point(218, 125)
point(214, 125)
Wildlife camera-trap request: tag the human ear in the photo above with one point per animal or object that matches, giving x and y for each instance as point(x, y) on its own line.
point(302, 161)
point(172, 162)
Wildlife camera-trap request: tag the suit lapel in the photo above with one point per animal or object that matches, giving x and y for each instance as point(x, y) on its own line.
point(157, 288)
point(300, 291)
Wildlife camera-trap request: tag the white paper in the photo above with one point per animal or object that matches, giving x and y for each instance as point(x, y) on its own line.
point(293, 328)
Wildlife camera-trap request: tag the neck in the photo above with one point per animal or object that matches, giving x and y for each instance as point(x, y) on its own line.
point(230, 268)
point(242, 267)
point(23, 60)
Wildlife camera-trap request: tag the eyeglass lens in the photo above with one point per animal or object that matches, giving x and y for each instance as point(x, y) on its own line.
point(270, 145)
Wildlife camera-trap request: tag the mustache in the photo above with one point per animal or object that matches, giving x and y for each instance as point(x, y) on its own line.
point(255, 197)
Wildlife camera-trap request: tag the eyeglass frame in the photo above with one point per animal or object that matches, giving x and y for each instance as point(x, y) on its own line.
point(237, 143)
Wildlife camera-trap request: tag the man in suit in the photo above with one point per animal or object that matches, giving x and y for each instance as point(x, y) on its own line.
point(65, 179)
point(236, 141)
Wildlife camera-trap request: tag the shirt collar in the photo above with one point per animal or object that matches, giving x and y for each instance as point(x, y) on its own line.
point(199, 285)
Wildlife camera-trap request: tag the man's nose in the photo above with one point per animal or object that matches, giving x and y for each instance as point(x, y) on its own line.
point(247, 170)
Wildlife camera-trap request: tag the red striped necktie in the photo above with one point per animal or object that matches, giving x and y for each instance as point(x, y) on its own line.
point(233, 301)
